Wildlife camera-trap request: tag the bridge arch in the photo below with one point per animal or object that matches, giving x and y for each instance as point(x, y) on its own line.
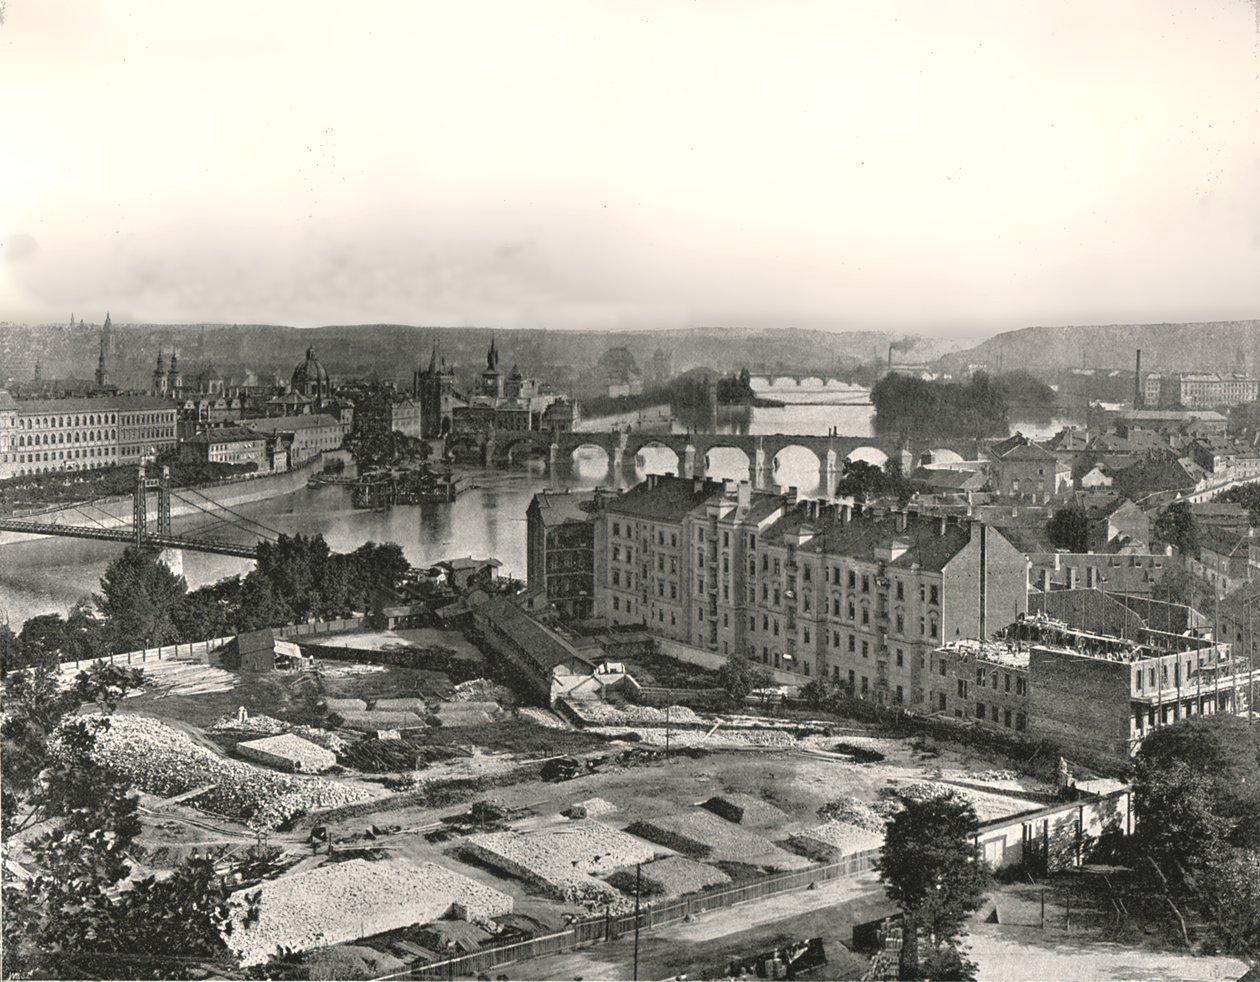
point(812, 380)
point(519, 450)
point(725, 461)
point(656, 457)
point(868, 454)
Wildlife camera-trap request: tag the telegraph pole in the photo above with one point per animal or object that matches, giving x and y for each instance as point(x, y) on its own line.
point(638, 880)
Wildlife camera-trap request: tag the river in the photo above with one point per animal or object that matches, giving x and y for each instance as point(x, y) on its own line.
point(50, 575)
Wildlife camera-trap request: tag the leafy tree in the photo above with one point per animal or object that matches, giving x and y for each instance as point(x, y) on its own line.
point(1068, 529)
point(11, 656)
point(1175, 526)
point(740, 677)
point(211, 611)
point(1178, 585)
point(139, 595)
point(1247, 495)
point(865, 480)
point(1227, 890)
point(1196, 791)
point(933, 871)
point(70, 918)
point(259, 605)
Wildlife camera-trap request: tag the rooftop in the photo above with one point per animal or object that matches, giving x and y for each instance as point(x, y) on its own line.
point(664, 498)
point(93, 404)
point(226, 434)
point(287, 424)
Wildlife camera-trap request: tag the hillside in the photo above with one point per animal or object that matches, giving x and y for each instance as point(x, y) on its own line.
point(1223, 346)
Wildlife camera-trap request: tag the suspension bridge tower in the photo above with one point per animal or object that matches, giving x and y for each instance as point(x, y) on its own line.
point(173, 558)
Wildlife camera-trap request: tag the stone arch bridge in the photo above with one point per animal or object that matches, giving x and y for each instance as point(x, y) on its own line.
point(692, 449)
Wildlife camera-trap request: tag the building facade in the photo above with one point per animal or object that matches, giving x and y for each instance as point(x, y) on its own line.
point(304, 437)
point(560, 553)
point(227, 445)
point(46, 435)
point(804, 587)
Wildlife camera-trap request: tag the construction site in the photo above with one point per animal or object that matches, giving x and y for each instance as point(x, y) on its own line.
point(413, 806)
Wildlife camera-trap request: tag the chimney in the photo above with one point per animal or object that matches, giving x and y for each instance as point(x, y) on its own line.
point(792, 494)
point(728, 487)
point(1137, 381)
point(744, 494)
point(845, 512)
point(944, 520)
point(901, 520)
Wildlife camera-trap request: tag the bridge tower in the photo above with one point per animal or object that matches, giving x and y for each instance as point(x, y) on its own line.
point(140, 504)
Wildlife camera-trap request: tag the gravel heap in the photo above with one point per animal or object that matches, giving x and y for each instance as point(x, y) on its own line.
point(344, 901)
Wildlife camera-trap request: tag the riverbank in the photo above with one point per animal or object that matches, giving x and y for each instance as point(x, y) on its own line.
point(116, 512)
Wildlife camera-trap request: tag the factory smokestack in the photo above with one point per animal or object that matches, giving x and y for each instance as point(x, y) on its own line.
point(890, 351)
point(1137, 381)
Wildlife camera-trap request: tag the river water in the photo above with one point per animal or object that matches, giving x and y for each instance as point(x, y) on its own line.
point(50, 575)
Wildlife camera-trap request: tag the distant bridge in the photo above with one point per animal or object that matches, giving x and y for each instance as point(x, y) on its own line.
point(692, 449)
point(103, 525)
point(803, 378)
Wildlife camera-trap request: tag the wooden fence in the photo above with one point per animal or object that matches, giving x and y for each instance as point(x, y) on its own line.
point(201, 650)
point(605, 927)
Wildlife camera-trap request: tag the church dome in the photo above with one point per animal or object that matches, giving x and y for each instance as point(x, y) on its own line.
point(310, 378)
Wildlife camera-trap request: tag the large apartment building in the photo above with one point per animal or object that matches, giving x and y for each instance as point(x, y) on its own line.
point(42, 435)
point(811, 588)
point(1199, 390)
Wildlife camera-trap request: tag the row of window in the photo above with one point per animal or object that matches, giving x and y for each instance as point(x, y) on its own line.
point(28, 458)
point(992, 677)
point(43, 422)
point(44, 439)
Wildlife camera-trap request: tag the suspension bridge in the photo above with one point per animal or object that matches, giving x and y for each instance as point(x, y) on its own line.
point(220, 530)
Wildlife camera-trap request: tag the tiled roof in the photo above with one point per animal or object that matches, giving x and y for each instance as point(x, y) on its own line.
point(94, 404)
point(557, 509)
point(285, 424)
point(544, 648)
point(225, 434)
point(665, 499)
point(862, 535)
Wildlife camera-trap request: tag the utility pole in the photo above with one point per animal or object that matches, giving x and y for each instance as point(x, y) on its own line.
point(638, 880)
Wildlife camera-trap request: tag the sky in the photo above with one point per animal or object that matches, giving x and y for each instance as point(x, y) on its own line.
point(948, 168)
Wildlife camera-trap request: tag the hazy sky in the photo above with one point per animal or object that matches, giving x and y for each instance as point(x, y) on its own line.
point(921, 166)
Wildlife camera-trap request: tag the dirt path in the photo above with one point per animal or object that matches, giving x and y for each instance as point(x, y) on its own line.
point(1019, 953)
point(712, 939)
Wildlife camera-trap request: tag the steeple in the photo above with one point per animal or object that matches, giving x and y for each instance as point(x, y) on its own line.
point(106, 319)
point(492, 356)
point(161, 362)
point(100, 362)
point(72, 318)
point(433, 360)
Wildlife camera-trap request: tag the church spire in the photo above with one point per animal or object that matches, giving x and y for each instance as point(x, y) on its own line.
point(433, 360)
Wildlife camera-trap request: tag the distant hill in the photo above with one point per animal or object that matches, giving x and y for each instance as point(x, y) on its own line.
point(1221, 346)
point(393, 350)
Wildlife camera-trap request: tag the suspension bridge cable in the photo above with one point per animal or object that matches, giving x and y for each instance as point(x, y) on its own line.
point(244, 518)
point(271, 533)
point(225, 521)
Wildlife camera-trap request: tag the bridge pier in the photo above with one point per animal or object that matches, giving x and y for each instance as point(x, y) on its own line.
point(757, 466)
point(553, 458)
point(172, 559)
point(689, 461)
point(830, 472)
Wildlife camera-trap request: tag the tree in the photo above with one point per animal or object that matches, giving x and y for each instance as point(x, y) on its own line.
point(1175, 526)
point(1196, 792)
point(139, 595)
point(933, 871)
point(70, 919)
point(740, 677)
point(1068, 529)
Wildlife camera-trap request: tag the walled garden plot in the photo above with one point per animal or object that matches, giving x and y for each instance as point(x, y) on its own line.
point(672, 876)
point(289, 753)
point(702, 835)
point(354, 899)
point(746, 809)
point(164, 761)
point(833, 840)
point(563, 861)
